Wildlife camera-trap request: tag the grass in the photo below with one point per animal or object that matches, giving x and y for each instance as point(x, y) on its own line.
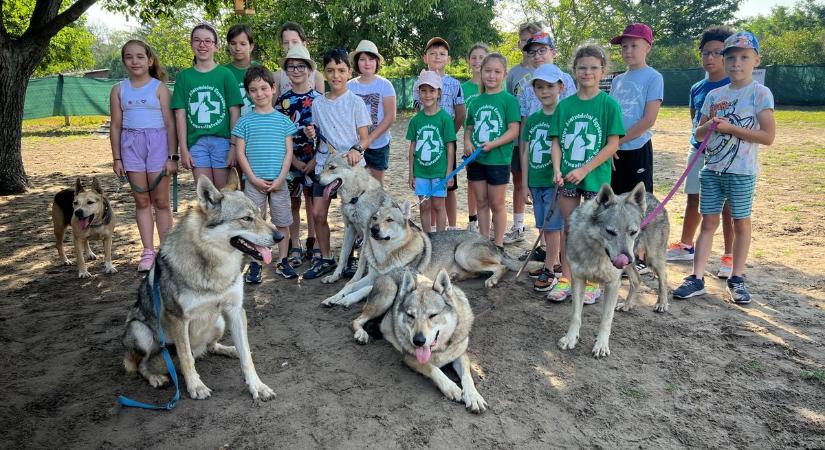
point(54, 129)
point(817, 374)
point(635, 392)
point(756, 366)
point(671, 387)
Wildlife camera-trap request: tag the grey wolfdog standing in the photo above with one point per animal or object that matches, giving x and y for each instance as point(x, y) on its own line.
point(430, 325)
point(361, 194)
point(604, 235)
point(201, 289)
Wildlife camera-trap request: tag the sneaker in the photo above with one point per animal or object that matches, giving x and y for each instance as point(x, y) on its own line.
point(473, 226)
point(320, 266)
point(514, 235)
point(691, 287)
point(253, 273)
point(297, 257)
point(560, 291)
point(641, 267)
point(545, 281)
point(592, 292)
point(538, 255)
point(536, 273)
point(557, 270)
point(726, 268)
point(738, 292)
point(352, 267)
point(147, 260)
point(679, 251)
point(285, 270)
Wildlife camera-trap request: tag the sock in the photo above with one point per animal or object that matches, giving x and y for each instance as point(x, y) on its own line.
point(433, 229)
point(518, 218)
point(451, 228)
point(474, 218)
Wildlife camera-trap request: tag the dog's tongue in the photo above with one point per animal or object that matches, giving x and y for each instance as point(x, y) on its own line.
point(327, 190)
point(266, 253)
point(621, 261)
point(423, 353)
point(84, 222)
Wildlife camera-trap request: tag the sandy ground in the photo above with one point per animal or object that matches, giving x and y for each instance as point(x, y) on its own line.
point(706, 374)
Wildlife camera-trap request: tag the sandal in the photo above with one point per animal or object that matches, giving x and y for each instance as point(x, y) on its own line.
point(296, 256)
point(147, 260)
point(310, 248)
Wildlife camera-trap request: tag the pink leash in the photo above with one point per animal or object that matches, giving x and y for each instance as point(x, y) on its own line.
point(661, 206)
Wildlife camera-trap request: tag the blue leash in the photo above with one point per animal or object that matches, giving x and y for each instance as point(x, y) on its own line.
point(124, 401)
point(443, 183)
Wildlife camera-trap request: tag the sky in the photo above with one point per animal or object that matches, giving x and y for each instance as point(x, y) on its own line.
point(97, 15)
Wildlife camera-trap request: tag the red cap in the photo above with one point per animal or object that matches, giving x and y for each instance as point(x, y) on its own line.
point(635, 30)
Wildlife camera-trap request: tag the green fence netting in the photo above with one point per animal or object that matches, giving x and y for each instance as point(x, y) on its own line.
point(77, 96)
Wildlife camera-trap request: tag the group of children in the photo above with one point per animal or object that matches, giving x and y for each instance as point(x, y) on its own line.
point(561, 138)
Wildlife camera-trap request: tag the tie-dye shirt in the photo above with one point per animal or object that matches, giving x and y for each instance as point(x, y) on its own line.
point(726, 153)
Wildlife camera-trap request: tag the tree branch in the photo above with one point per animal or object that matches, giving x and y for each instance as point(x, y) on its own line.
point(48, 29)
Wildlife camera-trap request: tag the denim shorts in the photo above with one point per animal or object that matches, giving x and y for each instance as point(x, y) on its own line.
point(210, 151)
point(424, 187)
point(494, 175)
point(542, 199)
point(717, 187)
point(378, 158)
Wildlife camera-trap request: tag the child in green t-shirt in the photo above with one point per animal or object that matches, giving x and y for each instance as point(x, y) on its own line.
point(432, 151)
point(240, 43)
point(470, 89)
point(586, 133)
point(537, 169)
point(207, 103)
point(492, 124)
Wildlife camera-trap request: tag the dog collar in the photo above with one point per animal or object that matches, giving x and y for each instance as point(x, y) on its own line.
point(107, 215)
point(354, 200)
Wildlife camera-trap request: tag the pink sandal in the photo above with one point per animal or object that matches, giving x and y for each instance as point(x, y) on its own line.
point(147, 260)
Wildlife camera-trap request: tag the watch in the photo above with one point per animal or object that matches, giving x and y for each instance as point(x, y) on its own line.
point(357, 148)
point(175, 157)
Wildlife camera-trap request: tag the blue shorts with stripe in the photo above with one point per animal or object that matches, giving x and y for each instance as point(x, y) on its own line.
point(737, 189)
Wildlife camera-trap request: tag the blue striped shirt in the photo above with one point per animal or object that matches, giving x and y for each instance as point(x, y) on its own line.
point(264, 136)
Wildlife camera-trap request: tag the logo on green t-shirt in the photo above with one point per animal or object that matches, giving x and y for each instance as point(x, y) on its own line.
point(488, 124)
point(207, 107)
point(581, 134)
point(540, 147)
point(429, 147)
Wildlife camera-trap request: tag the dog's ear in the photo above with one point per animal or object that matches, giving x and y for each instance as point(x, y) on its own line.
point(407, 284)
point(96, 186)
point(209, 197)
point(605, 197)
point(637, 196)
point(406, 210)
point(78, 186)
point(234, 181)
point(443, 284)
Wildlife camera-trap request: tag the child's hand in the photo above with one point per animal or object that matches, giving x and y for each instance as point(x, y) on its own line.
point(230, 157)
point(486, 147)
point(559, 180)
point(309, 131)
point(527, 196)
point(309, 167)
point(576, 176)
point(411, 182)
point(118, 168)
point(275, 185)
point(451, 182)
point(468, 150)
point(186, 159)
point(723, 125)
point(299, 165)
point(353, 157)
point(171, 167)
point(261, 185)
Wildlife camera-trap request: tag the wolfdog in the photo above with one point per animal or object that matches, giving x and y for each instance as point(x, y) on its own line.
point(397, 243)
point(361, 194)
point(430, 325)
point(91, 217)
point(603, 237)
point(201, 289)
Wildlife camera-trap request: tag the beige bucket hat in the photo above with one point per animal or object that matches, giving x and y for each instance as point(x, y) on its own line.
point(364, 46)
point(298, 52)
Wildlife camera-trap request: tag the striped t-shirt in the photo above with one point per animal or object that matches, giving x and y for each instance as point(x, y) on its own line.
point(264, 136)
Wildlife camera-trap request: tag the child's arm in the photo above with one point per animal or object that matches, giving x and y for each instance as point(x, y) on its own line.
point(386, 122)
point(645, 123)
point(115, 126)
point(450, 163)
point(523, 150)
point(319, 82)
point(354, 156)
point(234, 114)
point(243, 163)
point(607, 152)
point(460, 115)
point(506, 138)
point(277, 183)
point(410, 156)
point(468, 140)
point(165, 98)
point(555, 155)
point(180, 127)
point(764, 135)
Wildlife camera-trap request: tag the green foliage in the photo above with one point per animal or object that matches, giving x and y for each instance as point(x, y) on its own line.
point(791, 36)
point(817, 374)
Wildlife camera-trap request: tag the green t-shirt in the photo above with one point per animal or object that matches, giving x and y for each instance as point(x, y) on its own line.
point(239, 75)
point(470, 91)
point(431, 135)
point(536, 132)
point(206, 97)
point(582, 127)
point(489, 115)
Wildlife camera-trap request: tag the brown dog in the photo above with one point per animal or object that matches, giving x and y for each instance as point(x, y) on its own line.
point(91, 217)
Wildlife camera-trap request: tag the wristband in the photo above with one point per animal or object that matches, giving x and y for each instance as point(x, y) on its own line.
point(357, 148)
point(174, 157)
point(118, 159)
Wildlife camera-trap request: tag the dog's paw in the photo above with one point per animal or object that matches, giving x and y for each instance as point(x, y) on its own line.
point(261, 391)
point(329, 279)
point(361, 336)
point(91, 256)
point(199, 391)
point(568, 342)
point(224, 350)
point(83, 274)
point(68, 262)
point(332, 301)
point(157, 381)
point(452, 392)
point(624, 306)
point(475, 402)
point(491, 282)
point(661, 307)
point(601, 348)
point(109, 268)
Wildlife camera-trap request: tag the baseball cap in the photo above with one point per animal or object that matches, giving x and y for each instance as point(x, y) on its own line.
point(365, 46)
point(539, 38)
point(429, 78)
point(635, 30)
point(298, 52)
point(437, 40)
point(741, 39)
point(547, 72)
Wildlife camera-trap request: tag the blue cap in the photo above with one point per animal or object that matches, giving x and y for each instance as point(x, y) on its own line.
point(547, 72)
point(539, 38)
point(741, 39)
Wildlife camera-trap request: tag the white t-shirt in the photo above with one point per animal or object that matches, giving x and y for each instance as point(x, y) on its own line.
point(338, 121)
point(374, 94)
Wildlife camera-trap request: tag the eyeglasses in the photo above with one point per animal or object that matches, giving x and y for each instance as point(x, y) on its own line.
point(715, 54)
point(588, 68)
point(539, 51)
point(206, 42)
point(296, 68)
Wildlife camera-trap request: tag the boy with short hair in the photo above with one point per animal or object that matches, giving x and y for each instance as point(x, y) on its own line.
point(436, 57)
point(711, 44)
point(342, 118)
point(538, 174)
point(742, 112)
point(263, 139)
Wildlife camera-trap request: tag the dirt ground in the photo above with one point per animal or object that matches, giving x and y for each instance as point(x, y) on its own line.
point(706, 374)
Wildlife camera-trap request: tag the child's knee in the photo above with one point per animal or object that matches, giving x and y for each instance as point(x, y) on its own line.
point(142, 200)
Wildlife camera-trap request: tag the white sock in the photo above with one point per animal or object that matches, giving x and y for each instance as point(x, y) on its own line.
point(433, 229)
point(519, 221)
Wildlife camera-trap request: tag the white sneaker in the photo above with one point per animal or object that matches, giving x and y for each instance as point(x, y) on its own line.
point(514, 235)
point(473, 226)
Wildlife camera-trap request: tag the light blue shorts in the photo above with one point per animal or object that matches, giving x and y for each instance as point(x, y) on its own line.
point(692, 179)
point(542, 199)
point(717, 187)
point(210, 151)
point(424, 186)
